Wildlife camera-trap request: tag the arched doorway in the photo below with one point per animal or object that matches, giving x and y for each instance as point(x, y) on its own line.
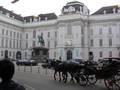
point(91, 56)
point(69, 54)
point(18, 55)
point(6, 54)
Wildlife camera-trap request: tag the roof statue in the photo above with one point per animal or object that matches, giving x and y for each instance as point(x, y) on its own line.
point(41, 40)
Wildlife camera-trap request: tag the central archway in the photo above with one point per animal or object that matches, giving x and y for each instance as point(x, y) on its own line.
point(69, 54)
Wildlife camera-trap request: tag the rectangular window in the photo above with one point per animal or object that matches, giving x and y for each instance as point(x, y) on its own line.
point(20, 43)
point(100, 42)
point(6, 32)
point(42, 34)
point(3, 31)
point(91, 43)
point(34, 34)
point(48, 34)
point(119, 54)
point(101, 54)
point(48, 44)
point(13, 43)
point(110, 30)
point(82, 41)
point(10, 44)
point(20, 36)
point(25, 54)
point(82, 30)
point(10, 33)
point(10, 53)
point(55, 44)
point(55, 34)
point(91, 31)
point(17, 43)
point(6, 43)
point(17, 35)
point(100, 31)
point(26, 35)
point(54, 54)
point(110, 53)
point(1, 53)
point(14, 34)
point(2, 42)
point(26, 44)
point(76, 52)
point(110, 42)
point(33, 45)
point(13, 54)
point(61, 53)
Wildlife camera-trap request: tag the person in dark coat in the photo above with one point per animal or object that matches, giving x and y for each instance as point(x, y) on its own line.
point(7, 70)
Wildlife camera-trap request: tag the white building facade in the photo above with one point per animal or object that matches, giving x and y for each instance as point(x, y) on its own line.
point(71, 35)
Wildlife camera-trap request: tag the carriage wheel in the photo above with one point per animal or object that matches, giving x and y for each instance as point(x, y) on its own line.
point(117, 79)
point(111, 84)
point(92, 79)
point(83, 80)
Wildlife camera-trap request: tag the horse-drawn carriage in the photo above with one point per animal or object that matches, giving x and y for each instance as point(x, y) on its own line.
point(109, 72)
point(87, 72)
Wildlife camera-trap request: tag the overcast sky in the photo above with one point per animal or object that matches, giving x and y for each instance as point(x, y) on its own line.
point(36, 7)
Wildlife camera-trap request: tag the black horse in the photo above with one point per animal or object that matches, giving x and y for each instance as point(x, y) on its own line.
point(65, 67)
point(58, 66)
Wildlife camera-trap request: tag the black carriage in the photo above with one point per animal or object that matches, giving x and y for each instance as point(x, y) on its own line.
point(109, 71)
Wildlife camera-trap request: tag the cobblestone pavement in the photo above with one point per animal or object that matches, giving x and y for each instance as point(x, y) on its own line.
point(37, 78)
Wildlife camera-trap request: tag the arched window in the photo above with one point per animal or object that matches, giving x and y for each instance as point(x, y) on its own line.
point(34, 34)
point(69, 54)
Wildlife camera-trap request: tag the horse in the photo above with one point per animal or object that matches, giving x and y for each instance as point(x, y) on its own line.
point(67, 67)
point(58, 66)
point(73, 68)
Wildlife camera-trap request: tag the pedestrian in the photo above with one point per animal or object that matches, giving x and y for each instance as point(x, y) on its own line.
point(60, 58)
point(7, 70)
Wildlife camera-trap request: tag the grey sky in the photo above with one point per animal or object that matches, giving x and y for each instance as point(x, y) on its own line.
point(35, 7)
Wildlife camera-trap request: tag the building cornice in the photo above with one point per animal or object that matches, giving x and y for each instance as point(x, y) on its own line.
point(62, 18)
point(42, 23)
point(10, 20)
point(105, 17)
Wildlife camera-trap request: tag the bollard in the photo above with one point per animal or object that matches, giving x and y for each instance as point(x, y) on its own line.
point(38, 69)
point(24, 68)
point(46, 71)
point(18, 68)
point(31, 68)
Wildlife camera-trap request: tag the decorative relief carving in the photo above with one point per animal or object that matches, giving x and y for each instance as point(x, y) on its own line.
point(68, 42)
point(69, 9)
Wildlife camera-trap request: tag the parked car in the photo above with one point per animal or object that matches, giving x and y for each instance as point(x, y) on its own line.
point(26, 62)
point(81, 61)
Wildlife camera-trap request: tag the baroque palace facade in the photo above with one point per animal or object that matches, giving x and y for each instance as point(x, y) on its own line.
point(71, 35)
